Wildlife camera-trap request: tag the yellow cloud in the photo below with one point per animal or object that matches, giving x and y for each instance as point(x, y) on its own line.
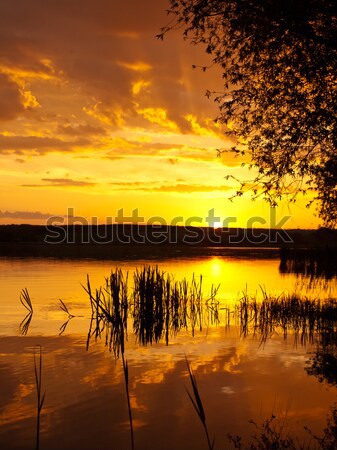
point(139, 85)
point(29, 100)
point(200, 130)
point(47, 72)
point(17, 74)
point(158, 116)
point(118, 143)
point(137, 66)
point(7, 133)
point(105, 115)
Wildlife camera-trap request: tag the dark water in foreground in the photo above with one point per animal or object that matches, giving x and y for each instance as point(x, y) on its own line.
point(85, 407)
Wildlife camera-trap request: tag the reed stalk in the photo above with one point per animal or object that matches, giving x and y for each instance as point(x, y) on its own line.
point(197, 403)
point(126, 379)
point(40, 396)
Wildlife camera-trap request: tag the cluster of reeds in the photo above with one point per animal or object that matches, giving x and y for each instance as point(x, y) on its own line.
point(159, 307)
point(162, 305)
point(109, 307)
point(304, 317)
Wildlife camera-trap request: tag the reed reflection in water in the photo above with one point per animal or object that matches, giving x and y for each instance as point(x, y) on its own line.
point(159, 307)
point(307, 320)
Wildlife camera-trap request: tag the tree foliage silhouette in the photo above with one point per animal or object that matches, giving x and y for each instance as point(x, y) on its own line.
point(279, 67)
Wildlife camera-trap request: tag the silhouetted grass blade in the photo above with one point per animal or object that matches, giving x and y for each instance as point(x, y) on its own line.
point(24, 325)
point(40, 396)
point(27, 303)
point(25, 300)
point(65, 309)
point(126, 378)
point(197, 403)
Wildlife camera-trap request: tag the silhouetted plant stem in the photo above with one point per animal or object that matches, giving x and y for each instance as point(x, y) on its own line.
point(65, 309)
point(126, 377)
point(27, 303)
point(197, 403)
point(40, 398)
point(120, 324)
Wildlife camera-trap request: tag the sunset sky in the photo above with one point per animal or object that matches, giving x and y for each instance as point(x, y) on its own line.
point(96, 114)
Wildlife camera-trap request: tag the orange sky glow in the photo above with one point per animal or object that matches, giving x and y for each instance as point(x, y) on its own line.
point(96, 115)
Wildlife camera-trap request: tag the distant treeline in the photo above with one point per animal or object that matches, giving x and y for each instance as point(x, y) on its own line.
point(322, 238)
point(155, 241)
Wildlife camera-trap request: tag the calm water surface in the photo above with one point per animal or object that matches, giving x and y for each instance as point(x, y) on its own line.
point(85, 406)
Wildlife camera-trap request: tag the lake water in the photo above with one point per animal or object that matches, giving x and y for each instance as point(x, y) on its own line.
point(239, 378)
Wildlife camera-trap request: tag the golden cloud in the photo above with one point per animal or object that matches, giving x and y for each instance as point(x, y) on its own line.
point(137, 66)
point(138, 86)
point(112, 116)
point(158, 116)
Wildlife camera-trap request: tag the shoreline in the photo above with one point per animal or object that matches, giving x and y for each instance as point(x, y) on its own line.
point(157, 241)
